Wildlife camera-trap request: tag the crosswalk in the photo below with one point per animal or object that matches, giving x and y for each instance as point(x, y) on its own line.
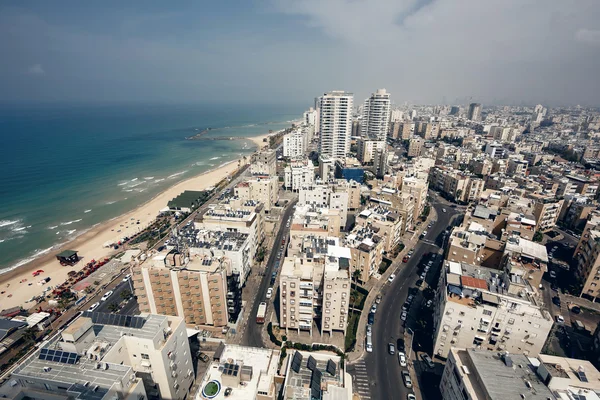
point(361, 380)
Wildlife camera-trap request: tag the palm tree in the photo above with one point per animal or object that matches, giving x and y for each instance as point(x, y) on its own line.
point(126, 294)
point(356, 275)
point(113, 307)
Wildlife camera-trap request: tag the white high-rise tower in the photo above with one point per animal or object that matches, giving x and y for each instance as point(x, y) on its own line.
point(376, 116)
point(335, 122)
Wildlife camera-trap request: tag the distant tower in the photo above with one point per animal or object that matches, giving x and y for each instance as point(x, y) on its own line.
point(474, 113)
point(335, 121)
point(376, 116)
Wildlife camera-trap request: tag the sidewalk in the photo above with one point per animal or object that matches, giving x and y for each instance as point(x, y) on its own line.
point(374, 287)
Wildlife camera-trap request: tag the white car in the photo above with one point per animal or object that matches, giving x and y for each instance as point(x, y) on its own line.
point(374, 308)
point(402, 359)
point(127, 277)
point(269, 292)
point(392, 277)
point(560, 319)
point(369, 330)
point(93, 306)
point(404, 315)
point(106, 295)
point(411, 396)
point(443, 210)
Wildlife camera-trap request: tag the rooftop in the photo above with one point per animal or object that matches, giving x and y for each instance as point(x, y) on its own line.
point(310, 375)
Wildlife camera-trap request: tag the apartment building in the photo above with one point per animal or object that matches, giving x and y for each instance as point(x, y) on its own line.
point(418, 189)
point(333, 195)
point(546, 210)
point(376, 116)
point(316, 285)
point(312, 221)
point(264, 163)
point(473, 374)
point(496, 150)
point(261, 189)
point(299, 172)
point(476, 308)
point(415, 147)
point(408, 130)
point(366, 249)
point(303, 368)
point(235, 216)
point(481, 166)
point(107, 356)
point(295, 143)
point(387, 223)
point(195, 290)
point(517, 167)
point(455, 184)
point(354, 190)
point(404, 203)
point(368, 148)
point(250, 372)
point(335, 120)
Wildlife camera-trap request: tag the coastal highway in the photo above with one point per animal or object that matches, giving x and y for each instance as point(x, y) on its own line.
point(252, 334)
point(385, 371)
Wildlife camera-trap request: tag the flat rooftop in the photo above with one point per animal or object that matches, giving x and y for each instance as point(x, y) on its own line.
point(302, 380)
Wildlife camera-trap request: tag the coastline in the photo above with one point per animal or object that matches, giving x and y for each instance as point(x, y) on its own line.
point(16, 282)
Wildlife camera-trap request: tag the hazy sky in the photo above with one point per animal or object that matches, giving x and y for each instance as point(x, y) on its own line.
point(273, 51)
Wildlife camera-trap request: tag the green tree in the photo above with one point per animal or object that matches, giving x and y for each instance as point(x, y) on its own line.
point(356, 275)
point(29, 335)
point(126, 294)
point(113, 307)
point(538, 236)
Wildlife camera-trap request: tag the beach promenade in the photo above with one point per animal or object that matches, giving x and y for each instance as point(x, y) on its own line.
point(18, 286)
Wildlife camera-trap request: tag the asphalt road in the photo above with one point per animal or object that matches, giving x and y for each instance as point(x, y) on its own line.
point(252, 334)
point(384, 369)
point(128, 309)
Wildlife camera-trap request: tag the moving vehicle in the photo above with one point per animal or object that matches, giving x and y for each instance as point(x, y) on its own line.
point(260, 314)
point(269, 292)
point(428, 360)
point(106, 295)
point(273, 278)
point(391, 349)
point(401, 358)
point(93, 306)
point(443, 210)
point(406, 379)
point(391, 278)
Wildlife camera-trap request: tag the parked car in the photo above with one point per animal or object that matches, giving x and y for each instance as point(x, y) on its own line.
point(369, 330)
point(93, 306)
point(443, 210)
point(407, 380)
point(391, 349)
point(552, 274)
point(560, 319)
point(410, 298)
point(391, 278)
point(202, 357)
point(371, 318)
point(126, 277)
point(405, 307)
point(411, 396)
point(405, 259)
point(378, 299)
point(419, 283)
point(374, 308)
point(575, 309)
point(425, 357)
point(404, 315)
point(556, 300)
point(269, 292)
point(106, 295)
point(423, 275)
point(429, 303)
point(401, 358)
point(400, 345)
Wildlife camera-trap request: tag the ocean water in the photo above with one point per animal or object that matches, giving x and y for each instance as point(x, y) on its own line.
point(64, 169)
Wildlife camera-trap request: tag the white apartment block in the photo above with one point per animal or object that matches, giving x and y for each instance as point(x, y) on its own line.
point(311, 118)
point(388, 223)
point(295, 143)
point(106, 356)
point(475, 308)
point(249, 371)
point(333, 195)
point(418, 189)
point(299, 172)
point(263, 189)
point(316, 287)
point(264, 163)
point(368, 148)
point(376, 116)
point(310, 221)
point(335, 120)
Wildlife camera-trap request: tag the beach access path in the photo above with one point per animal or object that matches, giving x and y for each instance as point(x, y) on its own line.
point(19, 285)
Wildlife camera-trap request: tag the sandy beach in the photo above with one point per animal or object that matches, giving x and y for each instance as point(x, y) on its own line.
point(16, 283)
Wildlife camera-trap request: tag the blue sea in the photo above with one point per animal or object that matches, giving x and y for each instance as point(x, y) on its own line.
point(66, 168)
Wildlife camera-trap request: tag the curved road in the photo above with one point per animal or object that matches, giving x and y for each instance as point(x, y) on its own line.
point(252, 335)
point(384, 369)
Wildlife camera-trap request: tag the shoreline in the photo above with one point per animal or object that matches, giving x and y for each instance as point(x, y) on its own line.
point(21, 285)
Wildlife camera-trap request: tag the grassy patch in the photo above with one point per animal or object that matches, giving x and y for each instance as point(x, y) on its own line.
point(357, 299)
point(350, 340)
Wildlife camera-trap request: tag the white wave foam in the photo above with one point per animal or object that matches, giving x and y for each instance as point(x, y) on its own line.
point(128, 190)
point(57, 232)
point(215, 158)
point(70, 222)
point(133, 180)
point(149, 178)
point(123, 183)
point(87, 211)
point(4, 223)
point(71, 231)
point(159, 180)
point(176, 174)
point(110, 202)
point(2, 240)
point(53, 227)
point(19, 229)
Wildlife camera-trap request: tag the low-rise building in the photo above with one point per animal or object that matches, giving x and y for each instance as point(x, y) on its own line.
point(476, 308)
point(109, 356)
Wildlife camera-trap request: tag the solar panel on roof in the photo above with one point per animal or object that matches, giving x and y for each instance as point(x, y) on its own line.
point(127, 321)
point(315, 384)
point(60, 356)
point(582, 376)
point(311, 363)
point(296, 362)
point(331, 367)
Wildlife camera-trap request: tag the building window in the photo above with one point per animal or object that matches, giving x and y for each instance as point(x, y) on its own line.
point(145, 356)
point(487, 312)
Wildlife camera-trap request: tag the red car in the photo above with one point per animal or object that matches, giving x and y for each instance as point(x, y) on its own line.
point(405, 259)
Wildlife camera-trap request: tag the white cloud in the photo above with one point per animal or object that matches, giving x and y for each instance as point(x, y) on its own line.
point(36, 69)
point(588, 36)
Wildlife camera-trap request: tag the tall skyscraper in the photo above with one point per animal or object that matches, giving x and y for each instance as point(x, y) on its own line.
point(474, 113)
point(375, 122)
point(335, 120)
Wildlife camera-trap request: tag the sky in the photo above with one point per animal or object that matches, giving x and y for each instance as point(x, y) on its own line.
point(289, 51)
